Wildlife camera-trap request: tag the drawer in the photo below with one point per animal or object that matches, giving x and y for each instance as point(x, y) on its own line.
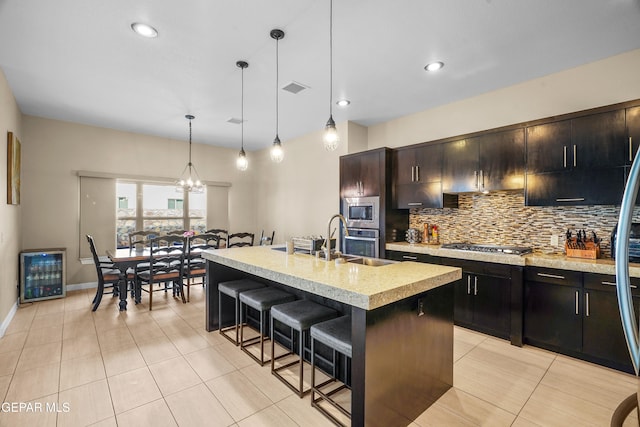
point(553, 276)
point(481, 268)
point(410, 256)
point(606, 282)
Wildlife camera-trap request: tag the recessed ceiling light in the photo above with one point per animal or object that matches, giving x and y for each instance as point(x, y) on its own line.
point(434, 66)
point(343, 102)
point(144, 30)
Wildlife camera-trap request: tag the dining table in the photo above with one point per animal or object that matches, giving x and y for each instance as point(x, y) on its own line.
point(124, 259)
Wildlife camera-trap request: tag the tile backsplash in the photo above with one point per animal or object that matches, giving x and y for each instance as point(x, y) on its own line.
point(502, 218)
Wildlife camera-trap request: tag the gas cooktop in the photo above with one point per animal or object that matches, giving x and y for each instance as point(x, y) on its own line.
point(511, 250)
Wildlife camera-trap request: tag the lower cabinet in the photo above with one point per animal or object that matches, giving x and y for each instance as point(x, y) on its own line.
point(410, 256)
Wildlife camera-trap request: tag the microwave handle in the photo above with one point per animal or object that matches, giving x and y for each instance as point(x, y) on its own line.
point(368, 239)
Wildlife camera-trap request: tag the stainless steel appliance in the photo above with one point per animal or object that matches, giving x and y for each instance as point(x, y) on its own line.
point(634, 242)
point(511, 250)
point(362, 242)
point(362, 212)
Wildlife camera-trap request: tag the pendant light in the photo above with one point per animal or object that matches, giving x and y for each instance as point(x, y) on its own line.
point(276, 150)
point(242, 163)
point(189, 179)
point(330, 137)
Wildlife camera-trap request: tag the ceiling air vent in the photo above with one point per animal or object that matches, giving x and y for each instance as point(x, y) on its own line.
point(234, 120)
point(294, 87)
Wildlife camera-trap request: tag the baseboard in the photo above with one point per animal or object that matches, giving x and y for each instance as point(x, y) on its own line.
point(7, 320)
point(80, 286)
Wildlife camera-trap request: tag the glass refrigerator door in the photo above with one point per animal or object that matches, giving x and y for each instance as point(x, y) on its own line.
point(42, 274)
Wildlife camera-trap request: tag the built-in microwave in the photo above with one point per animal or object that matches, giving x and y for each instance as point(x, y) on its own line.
point(362, 212)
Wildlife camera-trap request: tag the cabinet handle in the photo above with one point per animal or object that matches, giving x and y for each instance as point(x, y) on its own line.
point(413, 174)
point(414, 204)
point(586, 301)
point(468, 285)
point(577, 311)
point(613, 284)
point(575, 199)
point(482, 178)
point(575, 155)
point(552, 276)
point(564, 156)
point(477, 179)
point(417, 173)
point(412, 258)
point(630, 148)
point(475, 285)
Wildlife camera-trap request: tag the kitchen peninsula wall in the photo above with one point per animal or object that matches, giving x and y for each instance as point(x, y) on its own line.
point(502, 218)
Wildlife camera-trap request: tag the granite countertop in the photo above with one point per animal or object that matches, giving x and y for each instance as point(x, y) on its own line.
point(361, 286)
point(536, 259)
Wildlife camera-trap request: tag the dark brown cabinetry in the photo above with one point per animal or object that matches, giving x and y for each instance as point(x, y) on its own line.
point(633, 133)
point(410, 256)
point(362, 174)
point(493, 161)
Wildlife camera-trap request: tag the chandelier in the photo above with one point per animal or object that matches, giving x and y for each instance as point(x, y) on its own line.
point(189, 179)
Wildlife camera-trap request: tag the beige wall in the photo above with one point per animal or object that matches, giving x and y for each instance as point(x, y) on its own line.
point(593, 85)
point(10, 215)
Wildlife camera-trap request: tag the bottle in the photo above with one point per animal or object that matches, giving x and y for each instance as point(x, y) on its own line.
point(425, 233)
point(434, 234)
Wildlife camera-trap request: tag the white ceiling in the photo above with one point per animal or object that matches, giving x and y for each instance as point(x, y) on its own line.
point(79, 61)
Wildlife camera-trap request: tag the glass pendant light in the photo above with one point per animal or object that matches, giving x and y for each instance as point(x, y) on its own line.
point(276, 149)
point(189, 179)
point(330, 137)
point(242, 163)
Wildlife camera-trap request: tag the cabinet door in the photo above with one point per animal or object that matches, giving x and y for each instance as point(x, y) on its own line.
point(599, 141)
point(633, 133)
point(548, 146)
point(360, 175)
point(419, 195)
point(553, 315)
point(404, 162)
point(428, 160)
point(492, 304)
point(463, 301)
point(460, 166)
point(502, 160)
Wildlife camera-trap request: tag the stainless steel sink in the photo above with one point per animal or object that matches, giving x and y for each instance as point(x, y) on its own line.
point(372, 262)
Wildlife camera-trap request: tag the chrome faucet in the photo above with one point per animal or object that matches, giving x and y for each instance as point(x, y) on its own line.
point(327, 242)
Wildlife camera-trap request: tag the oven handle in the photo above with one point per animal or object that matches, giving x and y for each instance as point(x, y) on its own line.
point(367, 239)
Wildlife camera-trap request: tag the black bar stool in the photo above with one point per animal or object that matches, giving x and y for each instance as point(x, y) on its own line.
point(335, 334)
point(261, 300)
point(233, 289)
point(299, 316)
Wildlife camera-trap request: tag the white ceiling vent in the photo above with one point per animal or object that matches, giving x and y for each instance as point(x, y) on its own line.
point(234, 120)
point(294, 87)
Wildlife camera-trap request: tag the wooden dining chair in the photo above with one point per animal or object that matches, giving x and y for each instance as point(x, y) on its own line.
point(220, 232)
point(108, 276)
point(240, 239)
point(165, 267)
point(195, 263)
point(176, 232)
point(266, 240)
point(141, 239)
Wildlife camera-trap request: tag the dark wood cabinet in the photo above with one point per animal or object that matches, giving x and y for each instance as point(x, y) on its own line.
point(633, 133)
point(493, 161)
point(362, 174)
point(410, 256)
point(547, 147)
point(598, 141)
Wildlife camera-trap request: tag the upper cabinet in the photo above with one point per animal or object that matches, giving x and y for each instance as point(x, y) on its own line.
point(362, 174)
point(489, 162)
point(633, 133)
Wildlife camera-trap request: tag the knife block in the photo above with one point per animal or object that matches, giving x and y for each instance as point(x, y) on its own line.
point(591, 250)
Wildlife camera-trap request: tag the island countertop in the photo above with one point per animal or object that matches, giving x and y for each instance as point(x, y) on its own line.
point(361, 286)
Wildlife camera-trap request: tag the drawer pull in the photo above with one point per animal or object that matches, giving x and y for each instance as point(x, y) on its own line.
point(475, 285)
point(564, 156)
point(413, 258)
point(586, 300)
point(551, 276)
point(575, 156)
point(613, 284)
point(575, 199)
point(468, 285)
point(577, 311)
point(414, 204)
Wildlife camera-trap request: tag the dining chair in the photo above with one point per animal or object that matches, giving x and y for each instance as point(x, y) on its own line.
point(166, 266)
point(220, 232)
point(266, 240)
point(108, 276)
point(141, 239)
point(240, 239)
point(195, 263)
point(176, 232)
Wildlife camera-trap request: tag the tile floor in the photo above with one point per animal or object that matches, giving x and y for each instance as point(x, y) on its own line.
point(162, 368)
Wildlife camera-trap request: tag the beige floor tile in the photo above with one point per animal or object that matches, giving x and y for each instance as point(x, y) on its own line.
point(269, 417)
point(80, 315)
point(40, 412)
point(188, 341)
point(144, 331)
point(109, 422)
point(551, 407)
point(132, 389)
point(172, 325)
point(156, 414)
point(82, 346)
point(301, 411)
point(195, 320)
point(213, 338)
point(234, 355)
point(115, 338)
point(43, 336)
point(238, 395)
point(50, 306)
point(523, 422)
point(197, 406)
point(34, 383)
point(122, 360)
point(13, 342)
point(81, 371)
point(105, 320)
point(5, 380)
point(39, 355)
point(88, 403)
point(209, 363)
point(48, 320)
point(158, 349)
point(262, 378)
point(173, 375)
point(77, 329)
point(22, 320)
point(8, 362)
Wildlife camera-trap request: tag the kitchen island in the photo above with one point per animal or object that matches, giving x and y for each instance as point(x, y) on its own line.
point(402, 322)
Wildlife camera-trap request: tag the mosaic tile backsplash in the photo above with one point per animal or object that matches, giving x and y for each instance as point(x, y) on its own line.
point(501, 218)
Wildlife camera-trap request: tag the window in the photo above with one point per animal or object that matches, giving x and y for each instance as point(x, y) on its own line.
point(123, 203)
point(157, 209)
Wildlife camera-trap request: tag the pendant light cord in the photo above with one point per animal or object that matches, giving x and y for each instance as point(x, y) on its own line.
point(277, 80)
point(330, 57)
point(189, 147)
point(242, 111)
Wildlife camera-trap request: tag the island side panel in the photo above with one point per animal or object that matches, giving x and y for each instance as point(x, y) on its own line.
point(402, 362)
point(217, 273)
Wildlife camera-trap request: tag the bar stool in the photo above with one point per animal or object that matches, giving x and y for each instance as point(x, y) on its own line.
point(233, 289)
point(299, 316)
point(261, 300)
point(335, 334)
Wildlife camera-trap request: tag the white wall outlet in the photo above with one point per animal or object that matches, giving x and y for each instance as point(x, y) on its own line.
point(554, 241)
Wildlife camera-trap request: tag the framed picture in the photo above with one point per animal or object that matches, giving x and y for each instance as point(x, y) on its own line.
point(13, 169)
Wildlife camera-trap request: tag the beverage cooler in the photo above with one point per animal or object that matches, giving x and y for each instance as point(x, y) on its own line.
point(42, 274)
